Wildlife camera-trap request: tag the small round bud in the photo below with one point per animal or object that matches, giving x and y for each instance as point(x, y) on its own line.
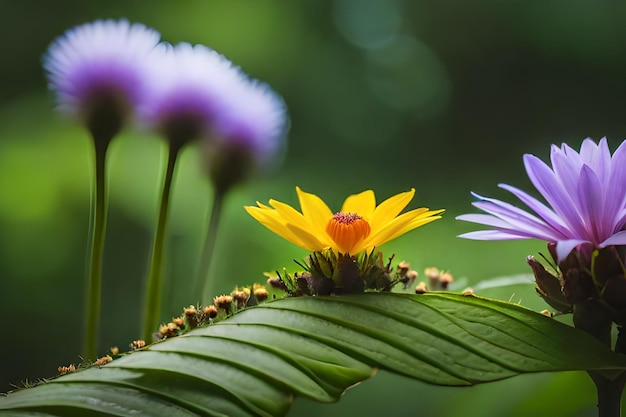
point(277, 283)
point(403, 267)
point(445, 279)
point(241, 297)
point(224, 302)
point(210, 312)
point(103, 360)
point(261, 294)
point(191, 314)
point(66, 369)
point(421, 288)
point(137, 344)
point(433, 274)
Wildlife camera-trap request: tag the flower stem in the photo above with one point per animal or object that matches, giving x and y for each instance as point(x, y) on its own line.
point(593, 317)
point(203, 283)
point(154, 285)
point(94, 285)
point(609, 394)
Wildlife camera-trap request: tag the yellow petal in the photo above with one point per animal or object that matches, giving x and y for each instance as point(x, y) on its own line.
point(309, 228)
point(307, 240)
point(362, 204)
point(274, 222)
point(390, 208)
point(414, 224)
point(399, 226)
point(428, 215)
point(261, 205)
point(315, 211)
point(289, 214)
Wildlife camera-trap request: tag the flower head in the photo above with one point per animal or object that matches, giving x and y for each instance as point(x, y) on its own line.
point(256, 121)
point(586, 196)
point(360, 226)
point(97, 71)
point(248, 135)
point(190, 89)
point(197, 93)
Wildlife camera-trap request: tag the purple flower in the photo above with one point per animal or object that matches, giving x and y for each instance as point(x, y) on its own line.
point(255, 121)
point(195, 92)
point(97, 71)
point(586, 196)
point(190, 89)
point(248, 135)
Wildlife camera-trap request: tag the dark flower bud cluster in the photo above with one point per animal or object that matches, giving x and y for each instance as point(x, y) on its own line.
point(592, 286)
point(327, 273)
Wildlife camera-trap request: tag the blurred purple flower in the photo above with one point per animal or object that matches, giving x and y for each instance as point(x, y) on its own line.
point(248, 136)
point(97, 71)
point(586, 196)
point(256, 121)
point(195, 92)
point(189, 90)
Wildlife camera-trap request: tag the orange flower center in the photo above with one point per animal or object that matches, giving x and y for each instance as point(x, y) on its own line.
point(347, 229)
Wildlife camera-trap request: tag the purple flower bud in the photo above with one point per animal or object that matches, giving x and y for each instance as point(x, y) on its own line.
point(197, 93)
point(255, 121)
point(189, 89)
point(249, 134)
point(97, 71)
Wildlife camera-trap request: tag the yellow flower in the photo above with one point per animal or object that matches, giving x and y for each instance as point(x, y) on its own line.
point(360, 225)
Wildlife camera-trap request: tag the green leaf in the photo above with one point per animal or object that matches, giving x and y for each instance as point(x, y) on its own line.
point(255, 362)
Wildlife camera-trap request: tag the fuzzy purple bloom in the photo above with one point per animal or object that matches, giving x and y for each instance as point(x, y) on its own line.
point(256, 121)
point(97, 70)
point(248, 135)
point(586, 196)
point(197, 93)
point(189, 90)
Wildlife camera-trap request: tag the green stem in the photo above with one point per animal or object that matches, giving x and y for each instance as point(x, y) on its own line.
point(99, 216)
point(609, 394)
point(593, 317)
point(203, 283)
point(154, 285)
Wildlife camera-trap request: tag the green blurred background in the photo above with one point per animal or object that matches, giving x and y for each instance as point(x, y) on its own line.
point(442, 96)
